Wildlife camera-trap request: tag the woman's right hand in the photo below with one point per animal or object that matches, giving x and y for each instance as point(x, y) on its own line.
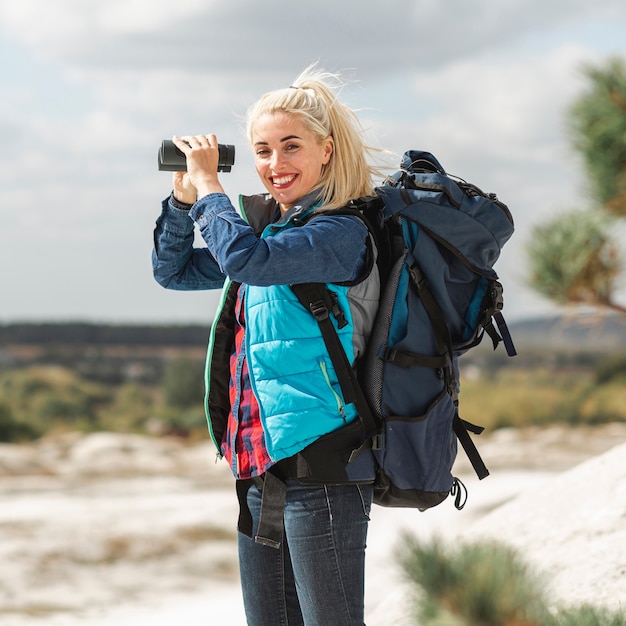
point(200, 179)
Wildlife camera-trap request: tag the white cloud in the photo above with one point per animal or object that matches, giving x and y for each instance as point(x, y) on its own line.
point(141, 16)
point(64, 26)
point(276, 36)
point(92, 87)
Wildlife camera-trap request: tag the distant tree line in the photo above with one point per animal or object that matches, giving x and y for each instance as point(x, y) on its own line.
point(85, 333)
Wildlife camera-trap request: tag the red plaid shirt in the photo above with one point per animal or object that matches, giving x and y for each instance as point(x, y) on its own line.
point(244, 432)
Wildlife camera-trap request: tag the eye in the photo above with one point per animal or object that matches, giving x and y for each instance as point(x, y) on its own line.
point(262, 152)
point(290, 147)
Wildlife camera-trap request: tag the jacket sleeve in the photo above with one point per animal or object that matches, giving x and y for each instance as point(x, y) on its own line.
point(327, 249)
point(176, 263)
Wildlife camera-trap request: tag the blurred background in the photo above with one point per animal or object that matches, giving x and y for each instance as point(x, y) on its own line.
point(105, 461)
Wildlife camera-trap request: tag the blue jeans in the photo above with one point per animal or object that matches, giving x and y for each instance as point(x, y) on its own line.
point(317, 576)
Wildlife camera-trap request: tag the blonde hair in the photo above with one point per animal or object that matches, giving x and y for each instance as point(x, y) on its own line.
point(312, 98)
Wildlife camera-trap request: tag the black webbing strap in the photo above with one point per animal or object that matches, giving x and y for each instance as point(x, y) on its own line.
point(502, 334)
point(442, 334)
point(408, 359)
point(316, 298)
point(461, 428)
point(493, 304)
point(437, 320)
point(490, 329)
point(506, 335)
point(271, 519)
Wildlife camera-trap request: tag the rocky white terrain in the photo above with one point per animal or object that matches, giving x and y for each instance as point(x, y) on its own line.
point(110, 529)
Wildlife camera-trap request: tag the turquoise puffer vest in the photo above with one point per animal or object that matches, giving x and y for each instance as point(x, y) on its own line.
point(291, 374)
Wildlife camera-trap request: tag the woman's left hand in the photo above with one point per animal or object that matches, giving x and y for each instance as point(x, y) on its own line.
point(200, 179)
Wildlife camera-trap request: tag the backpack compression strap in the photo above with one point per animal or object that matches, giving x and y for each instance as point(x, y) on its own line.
point(493, 304)
point(461, 428)
point(437, 320)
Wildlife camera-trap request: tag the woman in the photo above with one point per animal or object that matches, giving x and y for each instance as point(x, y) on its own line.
point(272, 393)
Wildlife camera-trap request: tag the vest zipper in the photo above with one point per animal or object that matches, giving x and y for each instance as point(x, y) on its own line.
point(338, 399)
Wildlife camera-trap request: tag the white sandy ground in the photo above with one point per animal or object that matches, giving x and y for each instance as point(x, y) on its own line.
point(110, 529)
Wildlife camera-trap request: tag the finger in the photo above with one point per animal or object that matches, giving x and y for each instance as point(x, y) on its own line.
point(193, 141)
point(182, 143)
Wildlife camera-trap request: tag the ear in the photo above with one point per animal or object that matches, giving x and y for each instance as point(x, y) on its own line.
point(328, 149)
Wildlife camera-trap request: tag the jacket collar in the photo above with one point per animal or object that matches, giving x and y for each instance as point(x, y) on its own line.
point(261, 210)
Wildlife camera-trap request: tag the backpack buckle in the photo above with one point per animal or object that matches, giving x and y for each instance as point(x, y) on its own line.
point(497, 295)
point(319, 310)
point(417, 277)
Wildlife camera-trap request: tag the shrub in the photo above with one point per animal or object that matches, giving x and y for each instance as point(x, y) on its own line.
point(587, 616)
point(183, 383)
point(12, 430)
point(611, 369)
point(47, 398)
point(486, 584)
point(480, 583)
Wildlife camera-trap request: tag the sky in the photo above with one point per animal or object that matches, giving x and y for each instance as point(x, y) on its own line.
point(90, 88)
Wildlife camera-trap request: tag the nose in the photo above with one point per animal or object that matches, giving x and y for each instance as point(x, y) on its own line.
point(276, 160)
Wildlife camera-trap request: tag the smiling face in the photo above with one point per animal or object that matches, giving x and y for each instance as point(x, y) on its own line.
point(288, 157)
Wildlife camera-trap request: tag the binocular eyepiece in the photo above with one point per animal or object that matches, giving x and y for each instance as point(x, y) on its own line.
point(171, 159)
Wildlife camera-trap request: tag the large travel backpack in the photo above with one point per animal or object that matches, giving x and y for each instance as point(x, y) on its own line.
point(438, 238)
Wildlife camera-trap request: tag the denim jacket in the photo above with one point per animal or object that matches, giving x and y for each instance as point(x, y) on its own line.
point(328, 253)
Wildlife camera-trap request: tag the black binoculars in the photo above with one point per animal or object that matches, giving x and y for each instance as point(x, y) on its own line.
point(171, 159)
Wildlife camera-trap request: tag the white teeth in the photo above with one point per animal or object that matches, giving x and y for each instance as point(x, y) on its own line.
point(282, 180)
